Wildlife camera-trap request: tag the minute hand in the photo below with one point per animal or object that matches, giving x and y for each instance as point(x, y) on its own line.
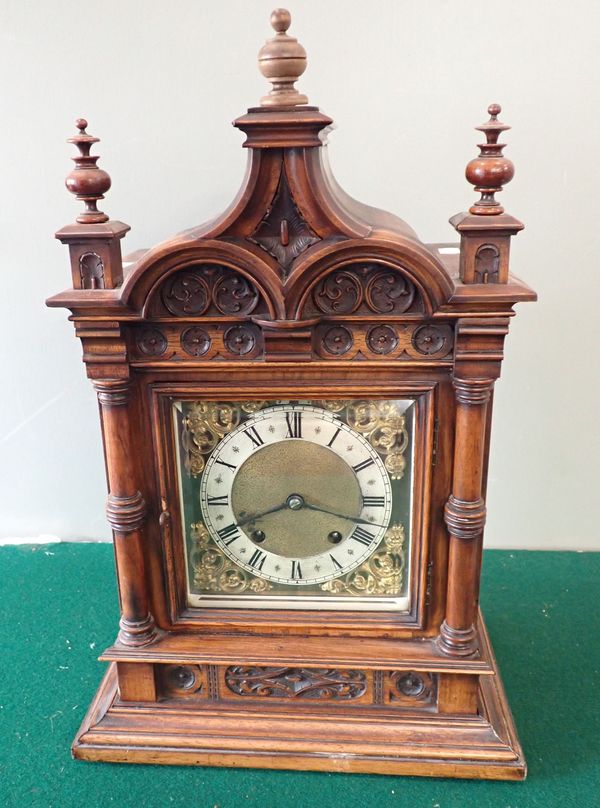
point(356, 519)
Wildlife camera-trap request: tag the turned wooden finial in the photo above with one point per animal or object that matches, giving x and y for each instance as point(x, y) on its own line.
point(490, 170)
point(87, 181)
point(282, 60)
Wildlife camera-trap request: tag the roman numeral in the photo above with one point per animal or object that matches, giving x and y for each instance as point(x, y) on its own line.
point(257, 559)
point(217, 500)
point(337, 432)
point(365, 464)
point(363, 536)
point(223, 463)
point(373, 502)
point(294, 424)
point(335, 561)
point(229, 534)
point(254, 436)
point(296, 570)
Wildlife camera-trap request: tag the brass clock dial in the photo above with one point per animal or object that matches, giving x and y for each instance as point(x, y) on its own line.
point(296, 496)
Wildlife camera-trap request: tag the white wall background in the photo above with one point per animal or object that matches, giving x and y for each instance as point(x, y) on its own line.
point(406, 82)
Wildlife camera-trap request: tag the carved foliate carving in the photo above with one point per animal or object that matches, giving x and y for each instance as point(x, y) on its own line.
point(208, 289)
point(91, 269)
point(487, 264)
point(317, 684)
point(283, 233)
point(364, 288)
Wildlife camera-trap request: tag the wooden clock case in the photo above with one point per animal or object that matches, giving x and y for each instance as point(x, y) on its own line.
point(229, 310)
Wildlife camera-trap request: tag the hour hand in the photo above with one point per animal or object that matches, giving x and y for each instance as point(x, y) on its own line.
point(253, 517)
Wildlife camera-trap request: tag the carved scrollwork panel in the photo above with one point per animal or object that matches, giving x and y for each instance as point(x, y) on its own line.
point(389, 292)
point(314, 684)
point(207, 289)
point(186, 293)
point(364, 288)
point(338, 293)
point(235, 295)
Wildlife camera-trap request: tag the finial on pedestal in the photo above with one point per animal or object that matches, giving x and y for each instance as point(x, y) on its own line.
point(87, 181)
point(282, 60)
point(490, 170)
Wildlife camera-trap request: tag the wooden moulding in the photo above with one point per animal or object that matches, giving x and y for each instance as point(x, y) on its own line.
point(442, 744)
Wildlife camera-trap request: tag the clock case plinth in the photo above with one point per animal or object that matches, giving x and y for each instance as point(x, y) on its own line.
point(298, 292)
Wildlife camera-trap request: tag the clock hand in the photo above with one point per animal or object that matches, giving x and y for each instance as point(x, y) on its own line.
point(356, 519)
point(255, 516)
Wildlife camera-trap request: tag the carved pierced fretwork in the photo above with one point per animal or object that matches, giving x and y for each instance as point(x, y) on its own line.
point(91, 269)
point(487, 264)
point(364, 288)
point(283, 233)
point(208, 289)
point(296, 683)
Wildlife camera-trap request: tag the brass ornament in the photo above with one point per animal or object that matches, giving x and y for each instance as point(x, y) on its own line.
point(214, 572)
point(204, 424)
point(384, 426)
point(381, 574)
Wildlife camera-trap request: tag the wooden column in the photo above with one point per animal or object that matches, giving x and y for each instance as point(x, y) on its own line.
point(478, 358)
point(126, 512)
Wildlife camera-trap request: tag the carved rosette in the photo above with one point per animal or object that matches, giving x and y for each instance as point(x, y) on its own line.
point(432, 339)
point(317, 684)
point(151, 341)
point(241, 339)
point(382, 339)
point(337, 340)
point(195, 341)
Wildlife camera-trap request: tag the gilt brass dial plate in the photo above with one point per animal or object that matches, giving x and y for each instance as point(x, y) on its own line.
point(296, 504)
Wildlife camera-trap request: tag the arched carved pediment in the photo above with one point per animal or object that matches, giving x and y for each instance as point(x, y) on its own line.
point(204, 278)
point(368, 277)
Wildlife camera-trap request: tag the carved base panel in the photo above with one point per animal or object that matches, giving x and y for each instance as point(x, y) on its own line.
point(286, 728)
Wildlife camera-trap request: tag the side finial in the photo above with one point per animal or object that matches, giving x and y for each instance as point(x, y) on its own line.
point(490, 170)
point(87, 181)
point(282, 60)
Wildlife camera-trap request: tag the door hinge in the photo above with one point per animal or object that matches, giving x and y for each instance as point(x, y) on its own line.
point(434, 453)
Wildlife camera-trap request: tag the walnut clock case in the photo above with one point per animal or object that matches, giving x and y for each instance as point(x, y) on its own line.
point(296, 409)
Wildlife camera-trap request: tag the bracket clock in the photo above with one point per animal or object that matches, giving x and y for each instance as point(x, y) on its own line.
point(296, 405)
